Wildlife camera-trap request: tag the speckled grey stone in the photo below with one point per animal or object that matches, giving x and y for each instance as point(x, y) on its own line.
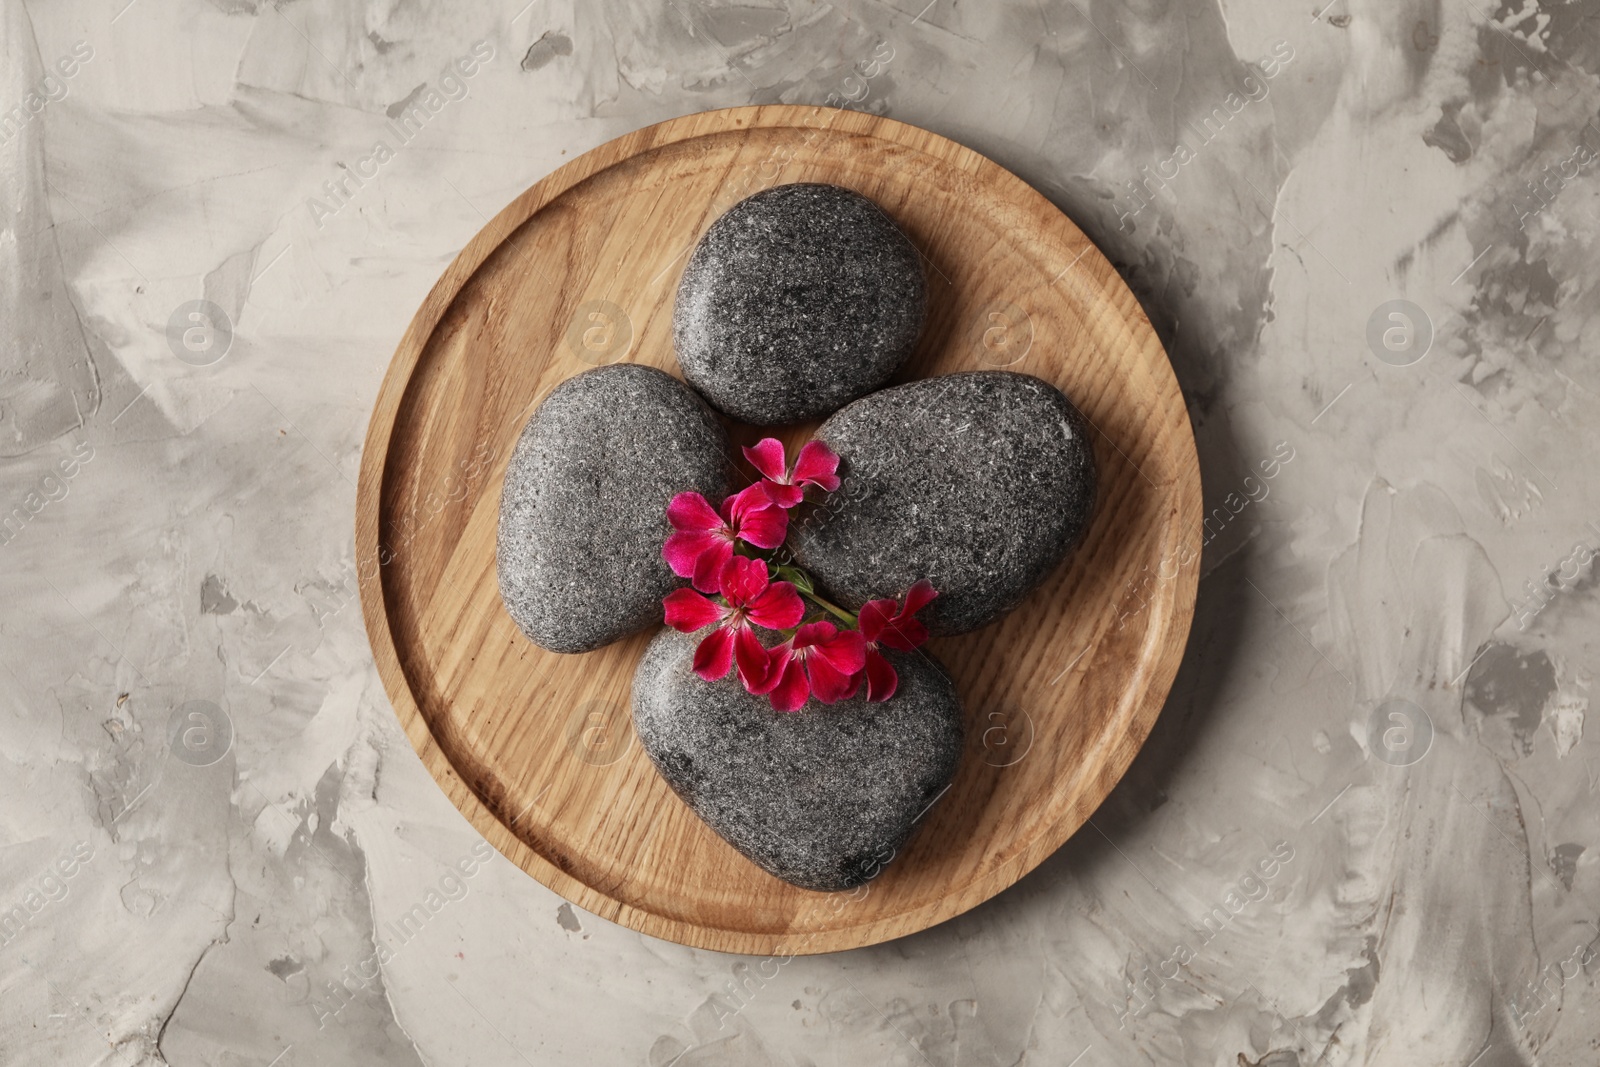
point(980, 482)
point(583, 511)
point(795, 302)
point(823, 797)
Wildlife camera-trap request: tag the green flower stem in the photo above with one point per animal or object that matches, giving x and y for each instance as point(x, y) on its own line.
point(795, 577)
point(802, 583)
point(838, 612)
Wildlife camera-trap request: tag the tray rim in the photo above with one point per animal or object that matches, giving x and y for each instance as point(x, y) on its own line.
point(1159, 666)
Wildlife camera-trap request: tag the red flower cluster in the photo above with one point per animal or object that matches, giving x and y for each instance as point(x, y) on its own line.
point(713, 547)
point(703, 539)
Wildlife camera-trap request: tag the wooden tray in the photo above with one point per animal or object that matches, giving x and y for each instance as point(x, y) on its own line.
point(537, 749)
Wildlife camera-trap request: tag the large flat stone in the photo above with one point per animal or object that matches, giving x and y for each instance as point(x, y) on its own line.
point(583, 511)
point(980, 482)
point(824, 797)
point(796, 301)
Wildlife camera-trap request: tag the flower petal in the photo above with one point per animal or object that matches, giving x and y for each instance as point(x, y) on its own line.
point(875, 616)
point(779, 608)
point(882, 680)
point(766, 456)
point(919, 596)
point(790, 688)
point(753, 660)
point(708, 567)
point(714, 656)
point(829, 684)
point(845, 651)
point(690, 511)
point(683, 550)
point(765, 528)
point(747, 501)
point(817, 465)
point(743, 579)
point(688, 611)
point(904, 634)
point(813, 633)
point(903, 631)
point(785, 496)
point(778, 660)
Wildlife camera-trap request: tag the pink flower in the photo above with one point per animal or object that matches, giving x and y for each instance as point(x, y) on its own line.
point(702, 540)
point(886, 623)
point(819, 659)
point(816, 465)
point(750, 600)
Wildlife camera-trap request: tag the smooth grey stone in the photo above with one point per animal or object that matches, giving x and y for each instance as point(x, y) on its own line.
point(583, 513)
point(980, 482)
point(823, 797)
point(796, 301)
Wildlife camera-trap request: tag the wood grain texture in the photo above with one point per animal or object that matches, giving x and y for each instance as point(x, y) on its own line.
point(537, 749)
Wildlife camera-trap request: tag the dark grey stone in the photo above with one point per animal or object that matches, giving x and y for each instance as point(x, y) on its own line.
point(796, 301)
point(583, 511)
point(823, 797)
point(980, 482)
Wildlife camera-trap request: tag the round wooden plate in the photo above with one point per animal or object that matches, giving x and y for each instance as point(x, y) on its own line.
point(537, 749)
